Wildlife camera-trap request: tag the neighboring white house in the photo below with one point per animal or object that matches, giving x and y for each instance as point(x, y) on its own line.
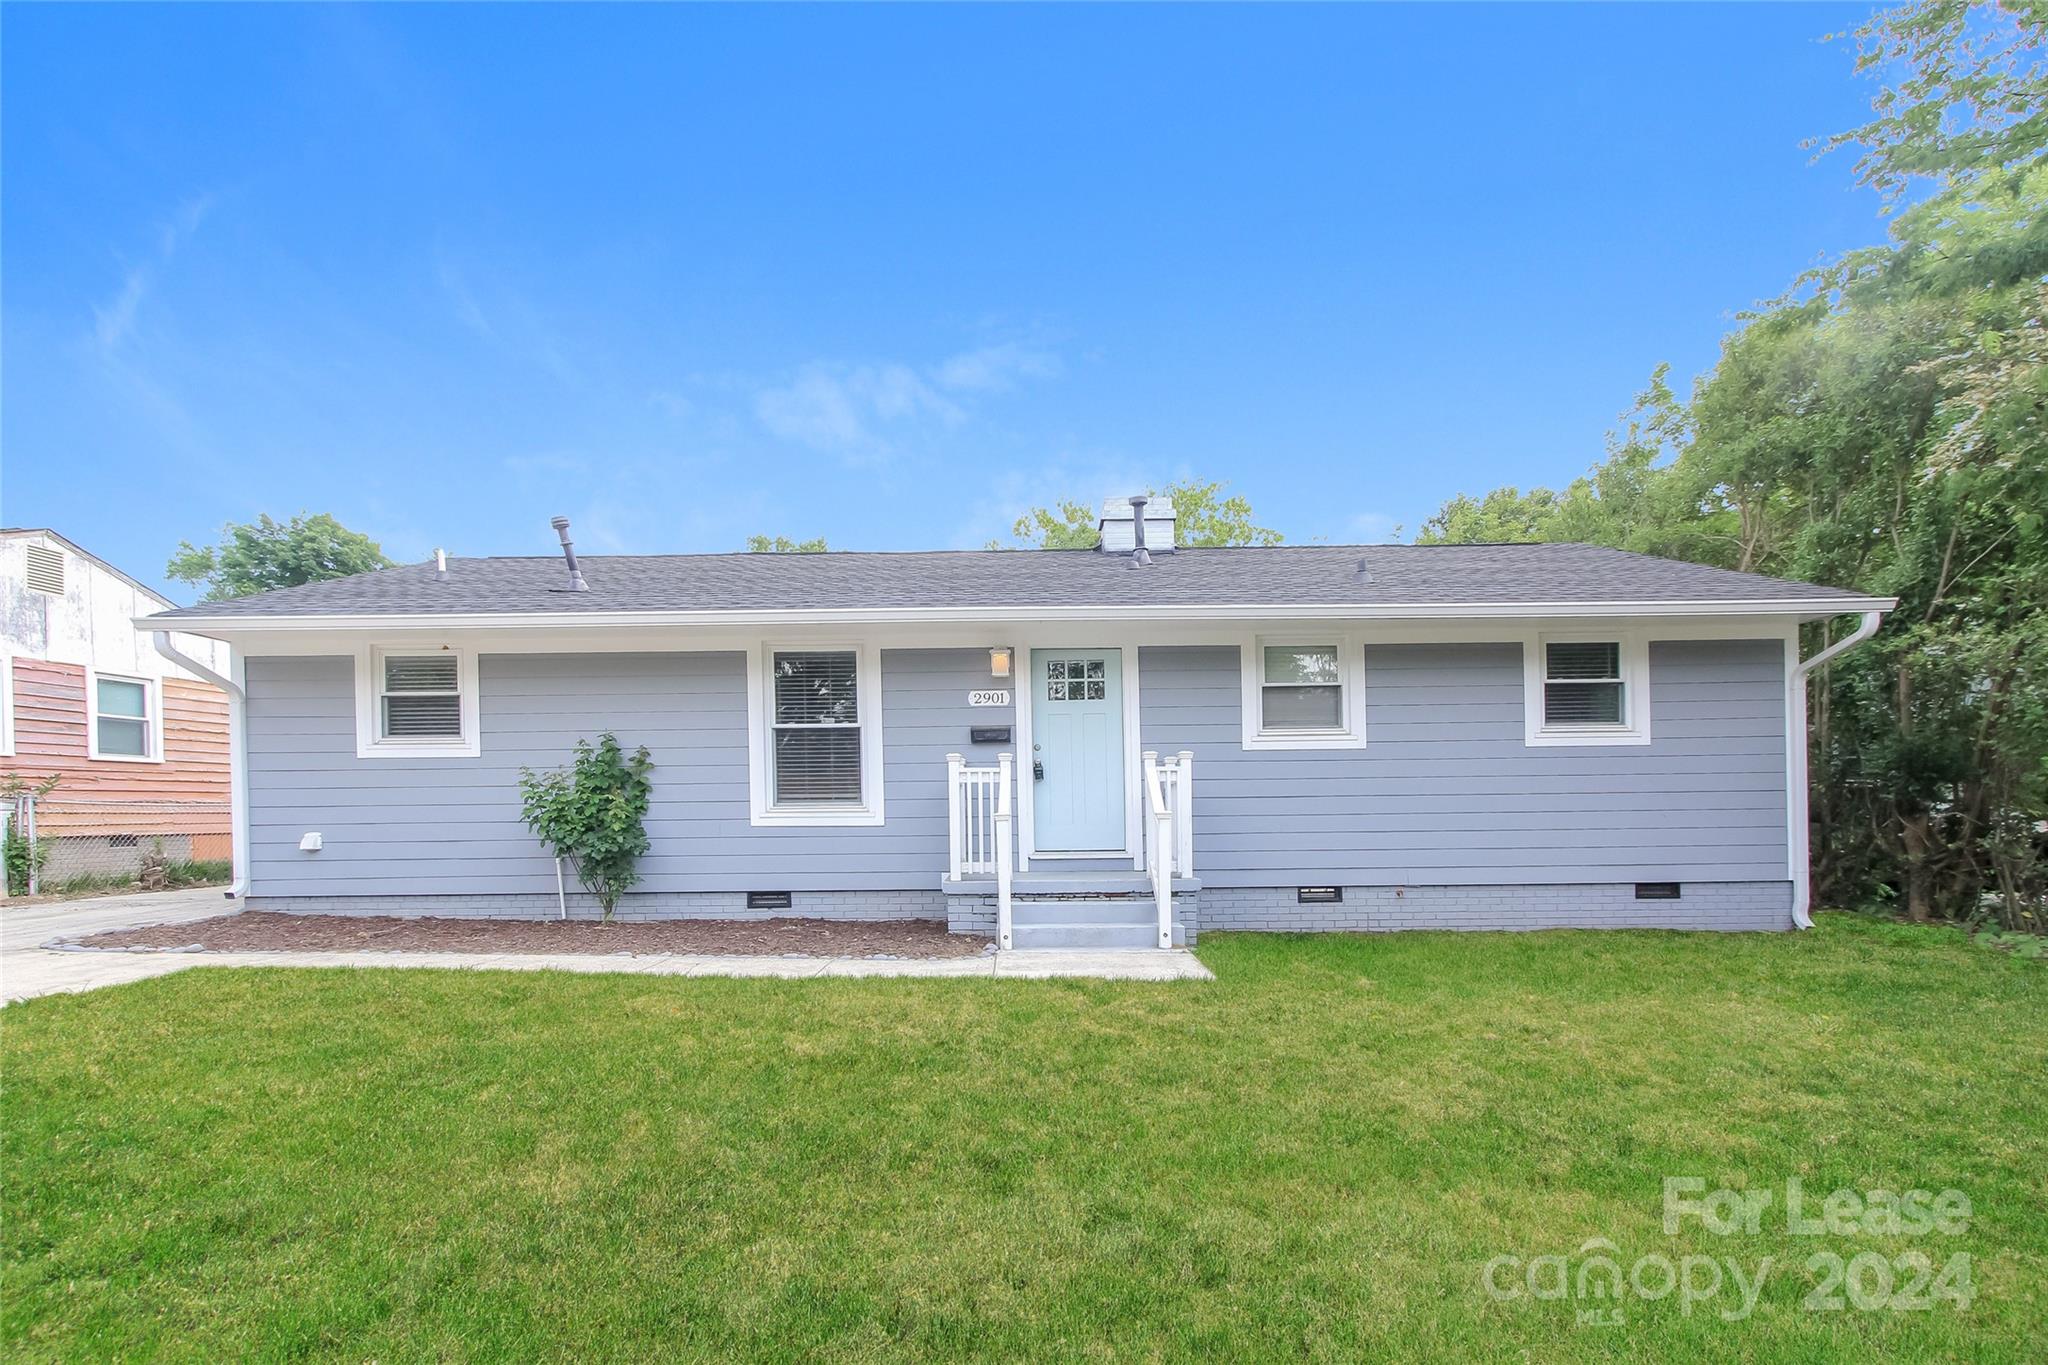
point(139, 745)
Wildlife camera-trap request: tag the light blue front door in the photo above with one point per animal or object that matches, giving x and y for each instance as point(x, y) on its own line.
point(1077, 743)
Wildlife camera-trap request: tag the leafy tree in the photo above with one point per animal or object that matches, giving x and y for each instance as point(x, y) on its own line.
point(1884, 425)
point(1972, 98)
point(1504, 516)
point(266, 554)
point(593, 813)
point(1203, 515)
point(1066, 525)
point(783, 545)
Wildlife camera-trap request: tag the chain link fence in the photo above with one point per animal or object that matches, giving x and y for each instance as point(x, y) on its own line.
point(56, 844)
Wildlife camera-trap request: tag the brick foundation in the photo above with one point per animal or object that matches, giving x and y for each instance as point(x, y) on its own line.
point(1750, 906)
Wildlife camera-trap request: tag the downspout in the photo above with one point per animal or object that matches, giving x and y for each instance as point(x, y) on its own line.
point(238, 761)
point(1799, 789)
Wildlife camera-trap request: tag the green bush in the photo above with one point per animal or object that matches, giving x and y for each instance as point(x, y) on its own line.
point(593, 813)
point(198, 872)
point(21, 859)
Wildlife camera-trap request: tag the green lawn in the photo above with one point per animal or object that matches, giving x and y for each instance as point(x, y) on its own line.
point(1313, 1156)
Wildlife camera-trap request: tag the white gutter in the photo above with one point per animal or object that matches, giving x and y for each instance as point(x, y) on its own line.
point(1812, 608)
point(1797, 789)
point(238, 763)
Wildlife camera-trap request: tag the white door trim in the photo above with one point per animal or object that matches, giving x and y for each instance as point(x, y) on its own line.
point(1027, 835)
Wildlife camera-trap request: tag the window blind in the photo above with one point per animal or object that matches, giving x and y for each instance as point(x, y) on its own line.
point(1582, 683)
point(422, 699)
point(817, 725)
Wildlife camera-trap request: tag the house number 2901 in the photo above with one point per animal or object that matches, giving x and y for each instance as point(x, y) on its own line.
point(995, 696)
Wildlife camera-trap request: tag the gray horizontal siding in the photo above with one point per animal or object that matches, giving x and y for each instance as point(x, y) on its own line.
point(1446, 792)
point(451, 826)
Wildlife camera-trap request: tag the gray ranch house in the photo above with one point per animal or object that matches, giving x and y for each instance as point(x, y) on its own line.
point(1114, 747)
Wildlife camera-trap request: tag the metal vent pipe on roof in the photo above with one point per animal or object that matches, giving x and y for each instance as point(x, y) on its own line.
point(1140, 557)
point(576, 583)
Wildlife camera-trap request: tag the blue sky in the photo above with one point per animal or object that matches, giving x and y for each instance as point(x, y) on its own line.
point(886, 275)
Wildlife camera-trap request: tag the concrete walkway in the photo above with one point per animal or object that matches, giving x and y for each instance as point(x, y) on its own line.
point(28, 969)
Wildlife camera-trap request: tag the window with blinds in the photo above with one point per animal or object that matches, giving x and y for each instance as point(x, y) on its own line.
point(816, 728)
point(420, 697)
point(1583, 685)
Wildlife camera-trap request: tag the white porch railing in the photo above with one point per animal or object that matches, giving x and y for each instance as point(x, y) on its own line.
point(1169, 830)
point(978, 829)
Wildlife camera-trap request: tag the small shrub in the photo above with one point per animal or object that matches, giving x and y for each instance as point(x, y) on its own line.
point(17, 859)
point(21, 859)
point(198, 872)
point(594, 813)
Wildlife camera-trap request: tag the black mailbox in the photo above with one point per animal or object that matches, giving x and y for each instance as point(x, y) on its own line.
point(989, 734)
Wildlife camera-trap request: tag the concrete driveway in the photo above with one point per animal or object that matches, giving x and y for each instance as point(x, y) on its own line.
point(27, 970)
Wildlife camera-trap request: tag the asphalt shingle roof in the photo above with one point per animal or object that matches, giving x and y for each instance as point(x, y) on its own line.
point(1287, 575)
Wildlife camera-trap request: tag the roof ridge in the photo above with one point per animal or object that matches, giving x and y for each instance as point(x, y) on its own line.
point(815, 555)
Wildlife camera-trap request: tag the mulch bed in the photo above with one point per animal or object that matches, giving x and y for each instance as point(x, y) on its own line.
point(263, 931)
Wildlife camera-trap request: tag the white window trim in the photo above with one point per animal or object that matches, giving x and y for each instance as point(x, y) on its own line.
point(152, 716)
point(6, 705)
point(867, 668)
point(1635, 691)
point(369, 667)
point(1350, 677)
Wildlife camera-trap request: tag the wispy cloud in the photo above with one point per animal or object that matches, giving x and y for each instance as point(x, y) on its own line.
point(852, 410)
point(505, 320)
point(183, 223)
point(997, 369)
point(674, 404)
point(468, 311)
point(861, 412)
point(113, 322)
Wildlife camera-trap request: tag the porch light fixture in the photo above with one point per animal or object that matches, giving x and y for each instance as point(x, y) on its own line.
point(999, 661)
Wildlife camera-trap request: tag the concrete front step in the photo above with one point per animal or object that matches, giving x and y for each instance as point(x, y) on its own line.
point(1086, 922)
point(1032, 910)
point(1085, 936)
